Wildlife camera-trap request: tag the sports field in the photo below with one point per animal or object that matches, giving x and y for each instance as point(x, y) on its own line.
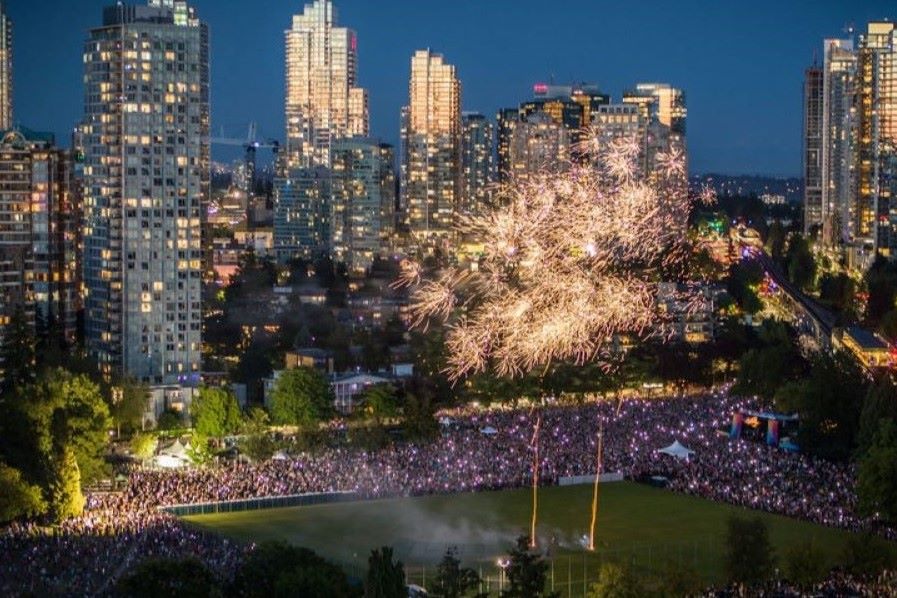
point(647, 527)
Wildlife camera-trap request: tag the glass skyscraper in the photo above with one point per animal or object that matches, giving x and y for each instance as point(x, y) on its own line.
point(5, 69)
point(323, 102)
point(431, 150)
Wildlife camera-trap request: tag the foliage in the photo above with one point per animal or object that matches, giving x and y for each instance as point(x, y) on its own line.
point(764, 369)
point(801, 263)
point(18, 352)
point(805, 564)
point(877, 475)
point(385, 577)
point(187, 578)
point(420, 418)
point(301, 397)
point(527, 572)
point(775, 241)
point(616, 581)
point(880, 403)
point(839, 292)
point(680, 579)
point(18, 498)
point(215, 413)
point(143, 446)
point(65, 497)
point(749, 556)
point(881, 284)
point(452, 580)
point(866, 555)
point(828, 402)
point(129, 404)
point(170, 420)
point(743, 277)
point(275, 569)
point(379, 402)
point(257, 443)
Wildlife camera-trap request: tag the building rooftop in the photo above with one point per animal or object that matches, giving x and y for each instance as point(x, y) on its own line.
point(865, 339)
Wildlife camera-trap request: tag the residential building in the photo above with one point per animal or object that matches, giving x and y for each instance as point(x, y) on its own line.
point(477, 162)
point(431, 151)
point(537, 144)
point(146, 185)
point(302, 214)
point(362, 201)
point(6, 121)
point(323, 102)
point(812, 149)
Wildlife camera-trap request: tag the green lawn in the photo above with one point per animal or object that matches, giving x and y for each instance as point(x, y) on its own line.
point(647, 527)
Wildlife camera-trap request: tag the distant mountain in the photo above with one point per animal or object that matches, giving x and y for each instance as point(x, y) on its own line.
point(728, 185)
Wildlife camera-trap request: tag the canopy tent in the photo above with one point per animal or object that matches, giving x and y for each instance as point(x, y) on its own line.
point(174, 456)
point(446, 421)
point(677, 450)
point(489, 431)
point(280, 456)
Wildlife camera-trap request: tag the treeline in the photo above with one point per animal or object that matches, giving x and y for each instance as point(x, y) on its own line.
point(844, 413)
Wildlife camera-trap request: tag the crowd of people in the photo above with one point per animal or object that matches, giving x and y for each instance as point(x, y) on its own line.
point(836, 585)
point(476, 450)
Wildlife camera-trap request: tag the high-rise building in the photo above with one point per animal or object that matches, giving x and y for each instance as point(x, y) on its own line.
point(6, 121)
point(812, 149)
point(838, 138)
point(323, 102)
point(537, 144)
point(568, 105)
point(146, 180)
point(302, 213)
point(875, 173)
point(39, 231)
point(431, 150)
point(477, 161)
point(362, 201)
point(663, 115)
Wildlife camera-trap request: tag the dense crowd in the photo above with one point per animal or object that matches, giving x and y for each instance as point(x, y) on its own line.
point(837, 585)
point(476, 450)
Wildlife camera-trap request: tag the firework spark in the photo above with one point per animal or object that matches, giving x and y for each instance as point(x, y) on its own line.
point(571, 259)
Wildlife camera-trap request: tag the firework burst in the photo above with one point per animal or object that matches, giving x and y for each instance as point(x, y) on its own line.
point(570, 260)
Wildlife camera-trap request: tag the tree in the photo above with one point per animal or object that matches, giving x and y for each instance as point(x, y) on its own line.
point(68, 411)
point(881, 284)
point(749, 556)
point(170, 420)
point(866, 555)
point(616, 581)
point(379, 402)
point(301, 397)
point(828, 401)
point(129, 403)
point(18, 352)
point(880, 404)
point(801, 263)
point(420, 418)
point(275, 569)
point(839, 292)
point(526, 572)
point(257, 443)
point(877, 475)
point(143, 446)
point(385, 577)
point(775, 241)
point(805, 564)
point(18, 498)
point(215, 413)
point(452, 580)
point(65, 497)
point(188, 578)
point(764, 369)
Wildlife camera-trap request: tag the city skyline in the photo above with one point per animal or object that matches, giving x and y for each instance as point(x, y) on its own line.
point(733, 129)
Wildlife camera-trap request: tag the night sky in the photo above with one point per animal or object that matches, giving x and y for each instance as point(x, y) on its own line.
point(740, 63)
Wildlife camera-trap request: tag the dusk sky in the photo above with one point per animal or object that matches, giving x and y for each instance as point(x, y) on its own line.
point(740, 63)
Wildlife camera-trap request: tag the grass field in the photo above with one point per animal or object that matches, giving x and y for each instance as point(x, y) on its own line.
point(647, 527)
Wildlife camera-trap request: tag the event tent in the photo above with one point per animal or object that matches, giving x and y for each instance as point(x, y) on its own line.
point(677, 450)
point(489, 431)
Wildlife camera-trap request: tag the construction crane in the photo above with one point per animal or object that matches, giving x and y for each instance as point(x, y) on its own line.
point(251, 145)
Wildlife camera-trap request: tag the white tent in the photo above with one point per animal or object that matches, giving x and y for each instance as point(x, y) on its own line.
point(446, 421)
point(489, 431)
point(677, 450)
point(280, 456)
point(173, 456)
